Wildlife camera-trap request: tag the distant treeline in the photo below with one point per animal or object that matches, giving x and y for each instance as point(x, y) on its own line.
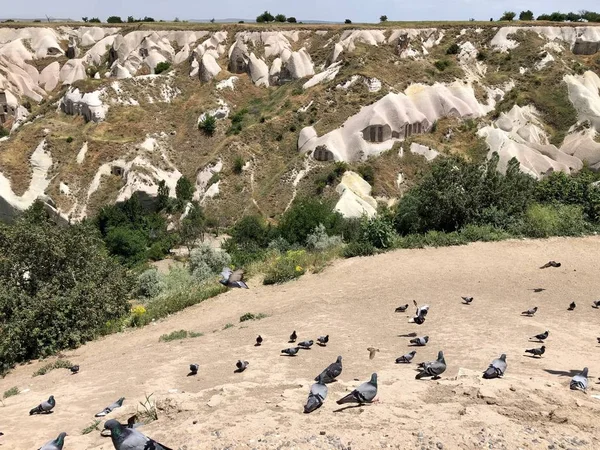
point(581, 16)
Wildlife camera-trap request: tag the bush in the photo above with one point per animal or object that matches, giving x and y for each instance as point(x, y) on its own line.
point(286, 267)
point(379, 232)
point(280, 18)
point(206, 262)
point(526, 15)
point(95, 20)
point(178, 335)
point(112, 19)
point(149, 283)
point(58, 364)
point(383, 18)
point(358, 248)
point(250, 316)
point(304, 216)
point(484, 233)
point(291, 20)
point(69, 140)
point(441, 64)
point(265, 17)
point(162, 67)
point(347, 21)
point(453, 49)
point(508, 16)
point(127, 244)
point(11, 392)
point(319, 240)
point(238, 165)
point(279, 244)
point(208, 124)
point(3, 132)
point(543, 221)
point(184, 190)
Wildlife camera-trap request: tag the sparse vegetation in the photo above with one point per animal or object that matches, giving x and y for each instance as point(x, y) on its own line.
point(162, 67)
point(251, 316)
point(208, 124)
point(58, 364)
point(508, 16)
point(10, 392)
point(453, 49)
point(179, 335)
point(526, 15)
point(94, 426)
point(238, 165)
point(3, 132)
point(228, 325)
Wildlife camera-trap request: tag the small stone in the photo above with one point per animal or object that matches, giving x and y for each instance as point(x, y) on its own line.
point(439, 445)
point(195, 422)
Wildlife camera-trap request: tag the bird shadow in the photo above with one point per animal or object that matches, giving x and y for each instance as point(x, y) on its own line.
point(321, 345)
point(348, 407)
point(537, 290)
point(239, 370)
point(536, 340)
point(408, 335)
point(415, 345)
point(257, 345)
point(291, 342)
point(532, 356)
point(192, 374)
point(289, 356)
point(563, 373)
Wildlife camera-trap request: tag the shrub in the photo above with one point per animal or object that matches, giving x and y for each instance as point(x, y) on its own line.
point(319, 240)
point(250, 316)
point(162, 67)
point(484, 233)
point(508, 16)
point(286, 267)
point(208, 124)
point(228, 325)
point(265, 17)
point(112, 19)
point(69, 140)
point(291, 20)
point(149, 283)
point(526, 15)
point(95, 20)
point(280, 18)
point(279, 244)
point(238, 165)
point(367, 173)
point(178, 335)
point(184, 190)
point(58, 364)
point(129, 245)
point(347, 21)
point(11, 392)
point(193, 226)
point(453, 49)
point(91, 427)
point(379, 232)
point(441, 64)
point(383, 18)
point(542, 221)
point(304, 216)
point(3, 132)
point(206, 262)
point(358, 248)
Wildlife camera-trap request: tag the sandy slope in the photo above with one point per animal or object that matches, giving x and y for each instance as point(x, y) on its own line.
point(353, 301)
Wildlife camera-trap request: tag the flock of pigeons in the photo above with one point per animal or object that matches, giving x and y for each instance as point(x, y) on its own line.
point(126, 437)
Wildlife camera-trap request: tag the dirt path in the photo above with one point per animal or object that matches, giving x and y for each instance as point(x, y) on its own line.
point(352, 301)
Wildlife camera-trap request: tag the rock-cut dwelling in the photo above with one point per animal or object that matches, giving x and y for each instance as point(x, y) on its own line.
point(6, 110)
point(384, 132)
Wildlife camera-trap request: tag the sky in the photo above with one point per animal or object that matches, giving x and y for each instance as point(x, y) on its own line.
point(327, 10)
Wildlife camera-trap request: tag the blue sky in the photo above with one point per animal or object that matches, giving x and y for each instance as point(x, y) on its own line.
point(331, 10)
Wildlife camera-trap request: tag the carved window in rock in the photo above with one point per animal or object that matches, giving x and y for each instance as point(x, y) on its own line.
point(117, 171)
point(322, 154)
point(373, 133)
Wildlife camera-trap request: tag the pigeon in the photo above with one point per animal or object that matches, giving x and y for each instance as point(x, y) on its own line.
point(434, 369)
point(44, 407)
point(291, 351)
point(598, 340)
point(421, 310)
point(419, 320)
point(596, 304)
point(496, 369)
point(372, 351)
point(406, 358)
point(241, 365)
point(332, 371)
point(316, 396)
point(111, 407)
point(571, 306)
point(537, 351)
point(131, 422)
point(420, 341)
point(467, 300)
point(401, 308)
point(259, 340)
point(306, 344)
point(580, 382)
point(541, 337)
point(365, 393)
point(130, 439)
point(530, 312)
point(233, 279)
point(54, 444)
point(74, 369)
point(323, 340)
point(293, 337)
point(193, 369)
point(550, 264)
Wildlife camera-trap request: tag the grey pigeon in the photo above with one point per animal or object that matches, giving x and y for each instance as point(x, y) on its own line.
point(406, 358)
point(365, 393)
point(537, 351)
point(421, 310)
point(467, 300)
point(74, 369)
point(541, 337)
point(580, 382)
point(434, 369)
point(44, 407)
point(530, 312)
point(401, 308)
point(193, 369)
point(54, 444)
point(419, 320)
point(293, 337)
point(111, 407)
point(496, 369)
point(259, 341)
point(291, 351)
point(332, 371)
point(571, 306)
point(596, 304)
point(420, 341)
point(323, 340)
point(550, 264)
point(241, 365)
point(130, 439)
point(306, 345)
point(317, 395)
point(233, 279)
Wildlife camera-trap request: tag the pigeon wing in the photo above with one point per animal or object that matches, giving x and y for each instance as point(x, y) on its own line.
point(237, 275)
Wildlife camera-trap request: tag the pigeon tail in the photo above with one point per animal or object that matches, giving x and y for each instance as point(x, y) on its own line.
point(490, 373)
point(314, 402)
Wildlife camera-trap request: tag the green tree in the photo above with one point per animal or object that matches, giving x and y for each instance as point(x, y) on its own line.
point(508, 16)
point(184, 189)
point(208, 124)
point(162, 199)
point(347, 21)
point(114, 19)
point(291, 20)
point(85, 19)
point(127, 244)
point(58, 287)
point(95, 20)
point(130, 19)
point(280, 18)
point(304, 216)
point(526, 15)
point(383, 18)
point(265, 17)
point(193, 226)
point(162, 67)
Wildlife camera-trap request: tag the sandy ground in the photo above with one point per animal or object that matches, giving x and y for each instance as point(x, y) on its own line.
point(353, 301)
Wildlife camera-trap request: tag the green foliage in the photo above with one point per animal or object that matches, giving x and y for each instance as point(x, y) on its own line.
point(250, 236)
point(162, 198)
point(162, 67)
point(542, 221)
point(179, 335)
point(58, 287)
point(114, 19)
point(11, 392)
point(228, 326)
point(3, 132)
point(291, 20)
point(347, 21)
point(453, 49)
point(304, 216)
point(383, 18)
point(69, 140)
point(508, 16)
point(286, 267)
point(526, 15)
point(58, 364)
point(280, 18)
point(149, 283)
point(330, 178)
point(237, 120)
point(251, 316)
point(129, 245)
point(379, 232)
point(193, 226)
point(95, 20)
point(320, 241)
point(442, 64)
point(238, 165)
point(483, 233)
point(206, 262)
point(358, 248)
point(184, 190)
point(91, 427)
point(208, 124)
point(367, 173)
point(265, 17)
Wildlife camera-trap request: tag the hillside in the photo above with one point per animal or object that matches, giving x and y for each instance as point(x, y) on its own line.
point(353, 301)
point(91, 123)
